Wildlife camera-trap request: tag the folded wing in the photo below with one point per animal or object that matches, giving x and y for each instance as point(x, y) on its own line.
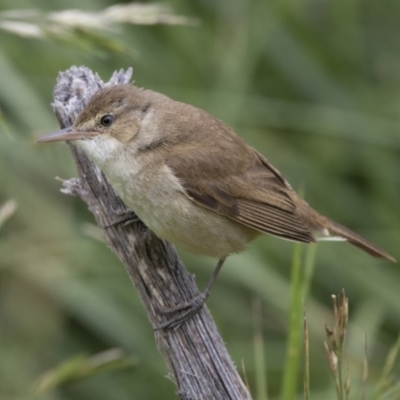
point(251, 191)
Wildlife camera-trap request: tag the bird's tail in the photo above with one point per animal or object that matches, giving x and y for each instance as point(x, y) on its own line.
point(341, 231)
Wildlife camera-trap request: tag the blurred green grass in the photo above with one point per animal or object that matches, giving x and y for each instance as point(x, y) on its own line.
point(314, 85)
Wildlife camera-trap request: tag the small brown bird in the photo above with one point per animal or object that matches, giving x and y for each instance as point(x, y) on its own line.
point(191, 179)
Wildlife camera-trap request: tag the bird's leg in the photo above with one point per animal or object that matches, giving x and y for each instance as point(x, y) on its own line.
point(192, 307)
point(126, 217)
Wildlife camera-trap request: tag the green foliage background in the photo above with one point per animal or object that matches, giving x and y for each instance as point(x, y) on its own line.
point(313, 84)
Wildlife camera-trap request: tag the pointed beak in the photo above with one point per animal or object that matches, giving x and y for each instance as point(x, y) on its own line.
point(66, 134)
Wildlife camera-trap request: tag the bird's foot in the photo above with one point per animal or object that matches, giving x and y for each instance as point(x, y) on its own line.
point(126, 217)
point(186, 311)
point(189, 309)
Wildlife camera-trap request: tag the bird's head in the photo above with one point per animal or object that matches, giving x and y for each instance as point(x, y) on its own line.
point(110, 121)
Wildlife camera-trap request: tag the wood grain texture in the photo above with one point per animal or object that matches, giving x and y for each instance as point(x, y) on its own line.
point(195, 354)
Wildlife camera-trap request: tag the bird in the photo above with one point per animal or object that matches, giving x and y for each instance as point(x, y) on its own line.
point(191, 179)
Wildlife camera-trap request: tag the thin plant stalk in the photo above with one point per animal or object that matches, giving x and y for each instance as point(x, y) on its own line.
point(334, 345)
point(259, 354)
point(306, 361)
point(309, 267)
point(290, 378)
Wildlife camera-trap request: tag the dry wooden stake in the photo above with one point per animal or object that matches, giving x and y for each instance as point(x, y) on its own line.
point(197, 359)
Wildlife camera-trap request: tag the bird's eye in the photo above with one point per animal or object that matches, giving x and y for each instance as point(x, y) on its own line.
point(107, 120)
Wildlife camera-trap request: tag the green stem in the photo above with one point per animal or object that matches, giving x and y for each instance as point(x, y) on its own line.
point(291, 371)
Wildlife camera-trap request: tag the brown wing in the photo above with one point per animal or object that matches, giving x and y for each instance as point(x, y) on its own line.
point(230, 178)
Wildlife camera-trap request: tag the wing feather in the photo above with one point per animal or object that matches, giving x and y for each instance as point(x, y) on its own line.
point(222, 173)
point(265, 218)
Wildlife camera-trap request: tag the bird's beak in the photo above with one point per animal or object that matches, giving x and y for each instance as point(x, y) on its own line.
point(66, 134)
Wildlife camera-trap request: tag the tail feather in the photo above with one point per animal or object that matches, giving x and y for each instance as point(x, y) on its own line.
point(336, 229)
